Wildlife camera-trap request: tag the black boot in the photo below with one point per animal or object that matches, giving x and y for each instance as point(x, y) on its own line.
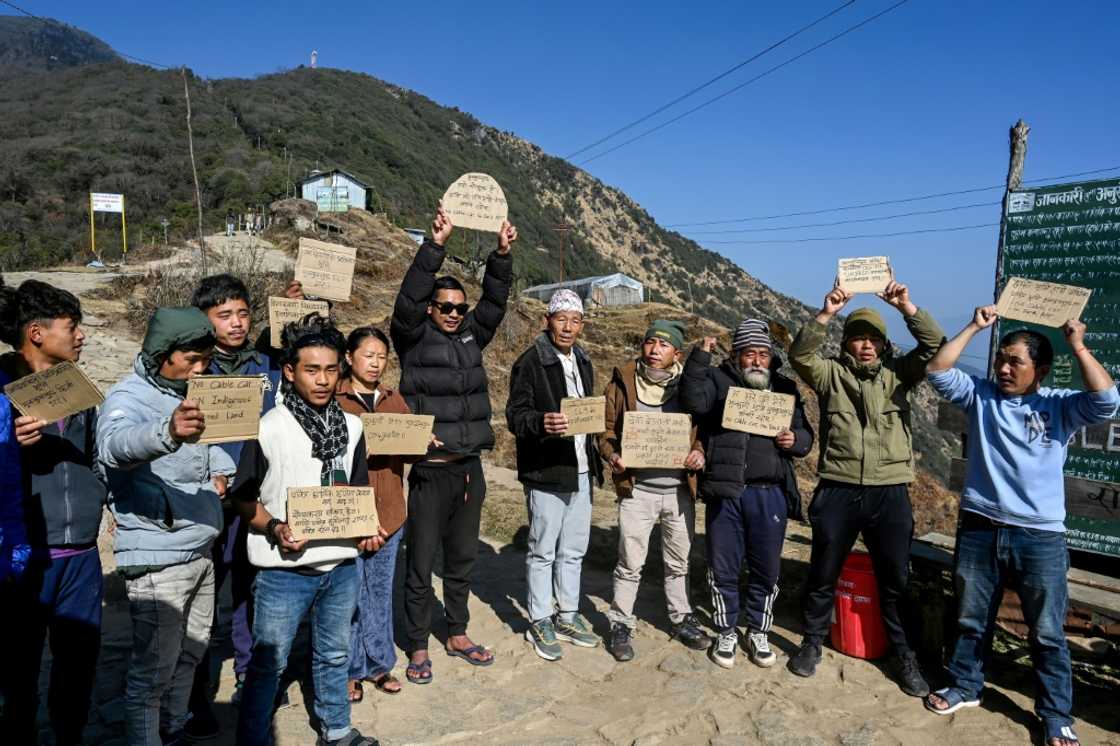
point(804, 661)
point(908, 674)
point(620, 646)
point(689, 633)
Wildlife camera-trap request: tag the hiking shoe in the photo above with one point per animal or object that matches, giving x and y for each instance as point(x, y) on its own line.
point(804, 661)
point(353, 738)
point(576, 631)
point(543, 636)
point(689, 633)
point(758, 650)
point(723, 651)
point(619, 645)
point(908, 674)
point(202, 726)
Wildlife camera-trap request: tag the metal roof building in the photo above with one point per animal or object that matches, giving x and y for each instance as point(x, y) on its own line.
point(335, 191)
point(608, 290)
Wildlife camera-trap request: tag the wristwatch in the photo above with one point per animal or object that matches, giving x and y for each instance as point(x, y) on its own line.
point(270, 531)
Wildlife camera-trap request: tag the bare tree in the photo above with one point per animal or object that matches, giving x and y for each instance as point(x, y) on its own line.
point(194, 168)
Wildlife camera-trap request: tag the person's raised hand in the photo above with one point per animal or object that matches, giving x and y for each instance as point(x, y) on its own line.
point(694, 461)
point(835, 301)
point(555, 423)
point(898, 295)
point(1074, 331)
point(294, 290)
point(29, 430)
point(985, 316)
point(785, 439)
point(441, 227)
point(187, 422)
point(709, 344)
point(507, 234)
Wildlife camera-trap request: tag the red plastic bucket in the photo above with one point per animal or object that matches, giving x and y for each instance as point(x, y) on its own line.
point(857, 623)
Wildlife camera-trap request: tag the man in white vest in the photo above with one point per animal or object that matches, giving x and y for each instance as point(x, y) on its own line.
point(305, 441)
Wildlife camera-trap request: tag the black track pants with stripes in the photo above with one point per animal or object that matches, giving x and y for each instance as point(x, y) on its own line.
point(750, 528)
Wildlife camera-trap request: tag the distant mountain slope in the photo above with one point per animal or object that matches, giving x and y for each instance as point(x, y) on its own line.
point(31, 45)
point(112, 126)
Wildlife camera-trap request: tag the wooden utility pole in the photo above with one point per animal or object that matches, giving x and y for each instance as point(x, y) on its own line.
point(562, 229)
point(1017, 137)
point(194, 168)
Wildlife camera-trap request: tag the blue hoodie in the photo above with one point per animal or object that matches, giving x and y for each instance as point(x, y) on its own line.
point(1017, 446)
point(14, 548)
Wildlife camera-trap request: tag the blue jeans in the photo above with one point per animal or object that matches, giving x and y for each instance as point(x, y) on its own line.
point(559, 529)
point(372, 652)
point(991, 557)
point(281, 599)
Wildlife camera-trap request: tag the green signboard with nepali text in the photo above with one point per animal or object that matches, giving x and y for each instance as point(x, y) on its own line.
point(1070, 234)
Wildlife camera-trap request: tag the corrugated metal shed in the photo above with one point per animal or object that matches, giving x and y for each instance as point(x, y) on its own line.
point(609, 290)
point(337, 188)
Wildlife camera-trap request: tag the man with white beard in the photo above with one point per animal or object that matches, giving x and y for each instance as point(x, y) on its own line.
point(748, 486)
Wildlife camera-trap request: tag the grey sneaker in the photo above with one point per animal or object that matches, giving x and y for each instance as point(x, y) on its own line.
point(576, 631)
point(543, 636)
point(723, 652)
point(758, 650)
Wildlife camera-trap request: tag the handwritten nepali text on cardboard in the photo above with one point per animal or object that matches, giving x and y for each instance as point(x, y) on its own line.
point(865, 274)
point(282, 311)
point(476, 201)
point(332, 512)
point(655, 440)
point(586, 416)
point(757, 412)
point(1045, 303)
point(54, 393)
point(397, 434)
point(326, 270)
point(231, 406)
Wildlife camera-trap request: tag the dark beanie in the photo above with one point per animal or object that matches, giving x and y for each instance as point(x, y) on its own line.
point(865, 321)
point(751, 333)
point(670, 331)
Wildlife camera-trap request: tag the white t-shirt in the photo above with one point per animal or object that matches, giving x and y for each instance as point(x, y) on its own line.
point(574, 384)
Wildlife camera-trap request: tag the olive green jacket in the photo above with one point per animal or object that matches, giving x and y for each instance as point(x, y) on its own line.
point(865, 413)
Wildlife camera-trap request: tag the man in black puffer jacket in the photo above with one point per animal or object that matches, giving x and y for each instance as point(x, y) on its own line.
point(439, 340)
point(748, 486)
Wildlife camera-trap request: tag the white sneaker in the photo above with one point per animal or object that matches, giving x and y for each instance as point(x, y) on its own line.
point(723, 652)
point(758, 650)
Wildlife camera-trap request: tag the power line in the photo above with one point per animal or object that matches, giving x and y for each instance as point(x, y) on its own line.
point(866, 235)
point(900, 201)
point(845, 222)
point(739, 87)
point(709, 82)
point(51, 20)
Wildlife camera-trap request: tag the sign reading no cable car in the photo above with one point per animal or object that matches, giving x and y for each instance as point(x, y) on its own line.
point(106, 202)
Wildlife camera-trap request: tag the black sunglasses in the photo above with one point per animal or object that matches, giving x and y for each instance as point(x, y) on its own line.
point(447, 308)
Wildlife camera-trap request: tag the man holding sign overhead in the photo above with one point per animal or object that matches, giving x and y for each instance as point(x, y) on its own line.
point(556, 470)
point(866, 463)
point(1012, 521)
point(651, 384)
point(440, 340)
point(306, 441)
point(165, 494)
point(748, 484)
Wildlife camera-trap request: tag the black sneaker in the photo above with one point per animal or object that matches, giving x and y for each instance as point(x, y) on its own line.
point(689, 633)
point(353, 738)
point(620, 646)
point(908, 674)
point(804, 661)
point(202, 726)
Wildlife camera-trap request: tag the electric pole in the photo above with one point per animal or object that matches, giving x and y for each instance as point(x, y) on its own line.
point(562, 229)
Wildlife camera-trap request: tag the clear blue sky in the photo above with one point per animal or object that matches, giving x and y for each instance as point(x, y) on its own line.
point(916, 102)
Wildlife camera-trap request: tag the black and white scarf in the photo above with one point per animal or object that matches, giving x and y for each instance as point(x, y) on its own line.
point(326, 429)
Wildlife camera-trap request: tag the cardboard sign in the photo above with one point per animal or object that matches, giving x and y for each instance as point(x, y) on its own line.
point(230, 404)
point(397, 434)
point(476, 201)
point(757, 412)
point(652, 440)
point(865, 274)
point(1045, 303)
point(54, 393)
point(332, 512)
point(283, 311)
point(586, 415)
point(326, 270)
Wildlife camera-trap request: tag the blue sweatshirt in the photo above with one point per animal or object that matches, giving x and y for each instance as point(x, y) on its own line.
point(1017, 446)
